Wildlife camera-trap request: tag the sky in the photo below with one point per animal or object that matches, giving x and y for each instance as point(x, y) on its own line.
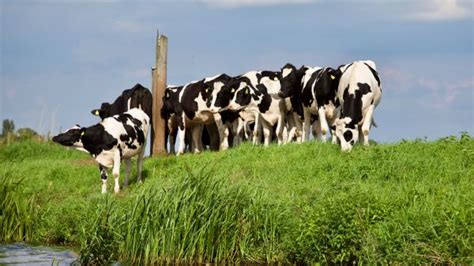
point(61, 59)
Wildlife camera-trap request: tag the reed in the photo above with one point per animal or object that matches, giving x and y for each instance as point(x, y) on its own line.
point(18, 211)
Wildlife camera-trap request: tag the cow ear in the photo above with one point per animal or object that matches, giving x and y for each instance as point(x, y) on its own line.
point(96, 112)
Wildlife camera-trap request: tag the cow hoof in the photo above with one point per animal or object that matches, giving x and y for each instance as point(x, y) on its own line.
point(116, 190)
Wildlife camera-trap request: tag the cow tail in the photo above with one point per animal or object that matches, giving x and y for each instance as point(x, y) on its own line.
point(373, 122)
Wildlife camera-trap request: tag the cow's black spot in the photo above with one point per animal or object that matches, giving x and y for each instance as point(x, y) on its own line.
point(348, 135)
point(264, 105)
point(376, 75)
point(352, 142)
point(96, 140)
point(364, 88)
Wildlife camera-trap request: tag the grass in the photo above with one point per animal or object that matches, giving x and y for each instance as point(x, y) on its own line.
point(409, 202)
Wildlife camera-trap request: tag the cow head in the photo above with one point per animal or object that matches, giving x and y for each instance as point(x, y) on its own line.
point(290, 80)
point(103, 112)
point(347, 133)
point(72, 137)
point(235, 95)
point(218, 100)
point(170, 98)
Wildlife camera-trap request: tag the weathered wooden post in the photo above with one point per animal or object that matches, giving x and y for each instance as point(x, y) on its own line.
point(158, 145)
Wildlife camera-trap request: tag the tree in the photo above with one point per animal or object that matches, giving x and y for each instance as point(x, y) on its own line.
point(8, 127)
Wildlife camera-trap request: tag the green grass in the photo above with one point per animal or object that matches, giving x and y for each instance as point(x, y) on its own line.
point(410, 202)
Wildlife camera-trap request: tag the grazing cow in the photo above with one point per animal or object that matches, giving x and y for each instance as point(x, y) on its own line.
point(254, 94)
point(196, 107)
point(118, 137)
point(359, 92)
point(136, 97)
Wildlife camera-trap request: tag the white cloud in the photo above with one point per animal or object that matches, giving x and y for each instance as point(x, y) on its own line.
point(247, 3)
point(442, 10)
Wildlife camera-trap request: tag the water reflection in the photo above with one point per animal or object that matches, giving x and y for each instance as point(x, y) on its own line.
point(23, 254)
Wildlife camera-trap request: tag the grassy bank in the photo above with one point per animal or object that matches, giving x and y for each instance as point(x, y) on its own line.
point(408, 202)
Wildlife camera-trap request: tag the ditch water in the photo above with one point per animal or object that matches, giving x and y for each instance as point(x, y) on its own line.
point(23, 254)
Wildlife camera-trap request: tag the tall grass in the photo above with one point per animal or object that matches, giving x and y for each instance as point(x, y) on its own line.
point(199, 219)
point(17, 211)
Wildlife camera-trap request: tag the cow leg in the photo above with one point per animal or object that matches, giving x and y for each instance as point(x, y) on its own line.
point(317, 132)
point(367, 123)
point(323, 123)
point(267, 134)
point(116, 171)
point(197, 141)
point(128, 166)
point(172, 136)
point(103, 177)
point(240, 125)
point(279, 129)
point(223, 132)
point(181, 137)
point(306, 124)
point(256, 130)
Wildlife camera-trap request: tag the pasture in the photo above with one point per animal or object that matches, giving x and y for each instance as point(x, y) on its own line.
point(409, 202)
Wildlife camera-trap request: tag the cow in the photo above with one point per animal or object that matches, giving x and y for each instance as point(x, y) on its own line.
point(312, 91)
point(359, 92)
point(136, 97)
point(121, 136)
point(196, 107)
point(318, 97)
point(168, 113)
point(255, 95)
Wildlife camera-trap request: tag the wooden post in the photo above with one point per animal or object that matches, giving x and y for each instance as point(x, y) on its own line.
point(159, 85)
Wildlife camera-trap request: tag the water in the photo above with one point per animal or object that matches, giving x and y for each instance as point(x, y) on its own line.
point(23, 254)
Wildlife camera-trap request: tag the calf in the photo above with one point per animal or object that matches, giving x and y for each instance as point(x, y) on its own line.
point(118, 137)
point(359, 92)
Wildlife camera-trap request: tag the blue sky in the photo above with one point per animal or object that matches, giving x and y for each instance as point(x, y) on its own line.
point(60, 59)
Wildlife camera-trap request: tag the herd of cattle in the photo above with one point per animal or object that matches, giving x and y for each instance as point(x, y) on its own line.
point(222, 111)
point(286, 105)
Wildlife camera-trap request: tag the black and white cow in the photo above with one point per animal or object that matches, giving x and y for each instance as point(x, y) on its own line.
point(255, 95)
point(196, 107)
point(136, 97)
point(319, 98)
point(359, 92)
point(118, 137)
point(291, 87)
point(168, 113)
point(312, 91)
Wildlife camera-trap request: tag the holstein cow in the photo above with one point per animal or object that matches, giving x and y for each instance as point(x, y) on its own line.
point(136, 97)
point(319, 98)
point(118, 137)
point(254, 94)
point(168, 113)
point(359, 92)
point(196, 108)
point(312, 91)
point(291, 87)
